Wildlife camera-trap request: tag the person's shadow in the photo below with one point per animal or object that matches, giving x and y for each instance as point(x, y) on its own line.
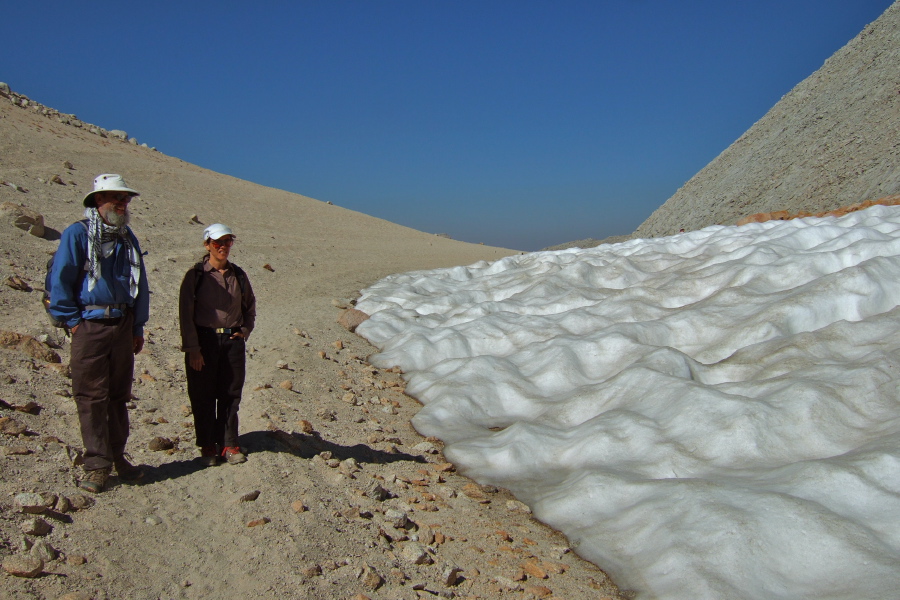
point(308, 445)
point(298, 444)
point(169, 470)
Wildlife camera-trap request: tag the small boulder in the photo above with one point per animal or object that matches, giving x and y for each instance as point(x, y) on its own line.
point(23, 566)
point(36, 526)
point(31, 503)
point(351, 318)
point(23, 218)
point(159, 444)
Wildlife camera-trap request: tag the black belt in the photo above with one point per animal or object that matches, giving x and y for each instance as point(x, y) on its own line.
point(226, 330)
point(107, 321)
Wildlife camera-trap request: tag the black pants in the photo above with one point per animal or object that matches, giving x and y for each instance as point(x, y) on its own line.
point(215, 390)
point(102, 365)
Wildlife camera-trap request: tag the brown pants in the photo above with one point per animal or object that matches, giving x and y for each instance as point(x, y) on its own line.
point(102, 365)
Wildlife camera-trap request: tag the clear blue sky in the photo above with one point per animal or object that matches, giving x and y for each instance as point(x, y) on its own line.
point(514, 123)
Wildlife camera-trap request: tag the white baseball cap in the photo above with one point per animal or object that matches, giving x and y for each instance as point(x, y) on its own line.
point(108, 182)
point(217, 231)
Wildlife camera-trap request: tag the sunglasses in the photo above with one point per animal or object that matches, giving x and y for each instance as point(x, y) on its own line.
point(222, 242)
point(116, 197)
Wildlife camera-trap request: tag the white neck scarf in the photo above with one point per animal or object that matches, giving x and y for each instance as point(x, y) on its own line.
point(102, 239)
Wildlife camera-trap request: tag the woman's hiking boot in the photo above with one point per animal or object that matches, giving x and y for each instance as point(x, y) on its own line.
point(209, 456)
point(233, 455)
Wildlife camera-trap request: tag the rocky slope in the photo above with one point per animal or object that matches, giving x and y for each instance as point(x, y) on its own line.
point(834, 140)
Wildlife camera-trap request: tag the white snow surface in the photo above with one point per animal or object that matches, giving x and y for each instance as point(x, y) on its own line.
point(709, 415)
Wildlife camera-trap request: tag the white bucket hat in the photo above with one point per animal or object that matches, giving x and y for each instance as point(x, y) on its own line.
point(108, 182)
point(217, 231)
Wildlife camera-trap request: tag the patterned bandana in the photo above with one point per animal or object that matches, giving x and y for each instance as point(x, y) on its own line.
point(102, 239)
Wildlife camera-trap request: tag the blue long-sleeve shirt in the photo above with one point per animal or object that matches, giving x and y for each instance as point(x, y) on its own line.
point(69, 293)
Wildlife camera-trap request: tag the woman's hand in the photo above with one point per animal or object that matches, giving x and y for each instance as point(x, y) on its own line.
point(195, 358)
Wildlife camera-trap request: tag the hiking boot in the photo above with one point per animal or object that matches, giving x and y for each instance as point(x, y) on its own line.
point(127, 471)
point(209, 457)
point(233, 455)
point(94, 480)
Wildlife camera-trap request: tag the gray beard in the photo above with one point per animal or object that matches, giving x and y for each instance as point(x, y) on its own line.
point(117, 220)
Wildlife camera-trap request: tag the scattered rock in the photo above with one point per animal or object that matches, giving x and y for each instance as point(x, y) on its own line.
point(450, 576)
point(250, 496)
point(23, 566)
point(397, 518)
point(63, 505)
point(371, 578)
point(425, 448)
point(287, 384)
point(81, 502)
point(257, 522)
point(474, 491)
point(158, 444)
point(517, 506)
point(17, 283)
point(36, 526)
point(534, 570)
point(538, 591)
point(415, 553)
point(351, 318)
point(76, 596)
point(376, 492)
point(348, 467)
point(11, 427)
point(31, 408)
point(268, 267)
point(32, 503)
point(23, 218)
point(28, 345)
point(44, 551)
point(426, 536)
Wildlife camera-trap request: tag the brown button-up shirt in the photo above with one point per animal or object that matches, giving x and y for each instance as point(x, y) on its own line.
point(215, 301)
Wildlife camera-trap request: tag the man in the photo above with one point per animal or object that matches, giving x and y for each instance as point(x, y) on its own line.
point(98, 288)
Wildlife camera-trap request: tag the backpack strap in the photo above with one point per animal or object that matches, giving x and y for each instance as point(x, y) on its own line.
point(198, 276)
point(241, 279)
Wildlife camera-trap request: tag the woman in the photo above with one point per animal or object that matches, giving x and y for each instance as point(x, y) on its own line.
point(217, 311)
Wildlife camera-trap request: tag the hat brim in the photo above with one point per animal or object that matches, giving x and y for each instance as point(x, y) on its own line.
point(89, 201)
